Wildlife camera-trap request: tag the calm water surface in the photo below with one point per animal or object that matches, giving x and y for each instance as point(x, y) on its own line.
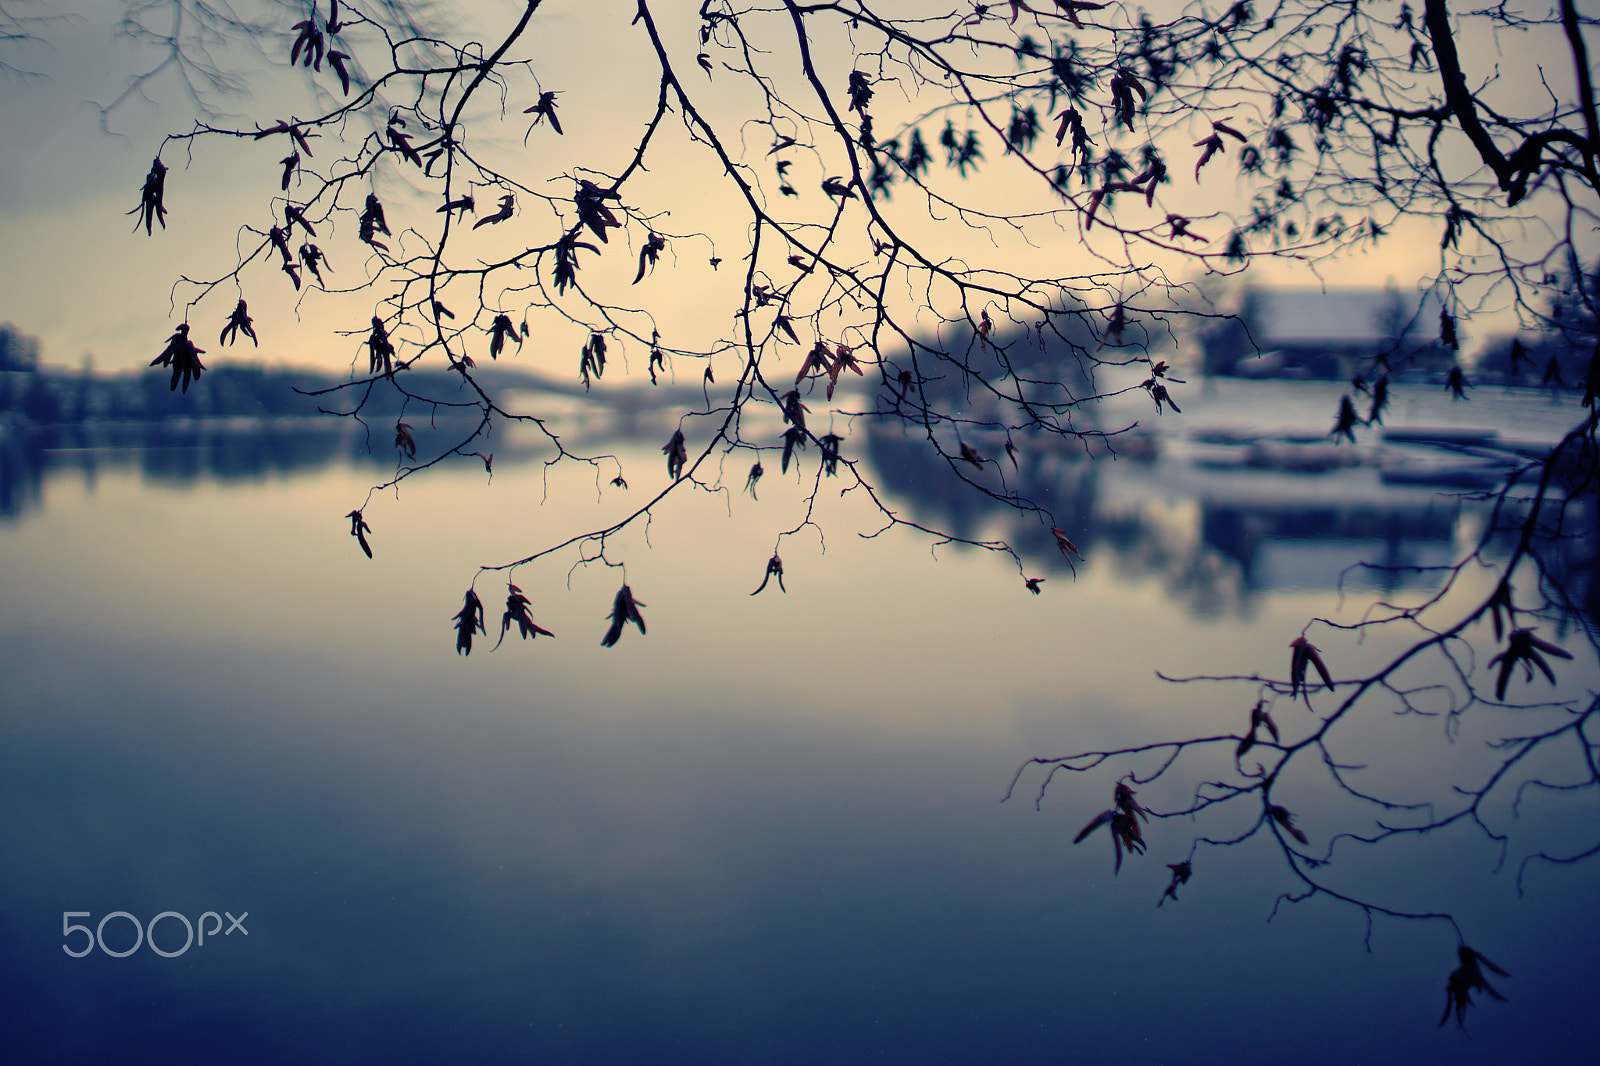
point(770, 831)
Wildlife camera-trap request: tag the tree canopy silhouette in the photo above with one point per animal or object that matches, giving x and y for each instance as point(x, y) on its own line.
point(966, 223)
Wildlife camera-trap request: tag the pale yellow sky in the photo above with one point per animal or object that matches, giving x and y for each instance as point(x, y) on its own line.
point(76, 276)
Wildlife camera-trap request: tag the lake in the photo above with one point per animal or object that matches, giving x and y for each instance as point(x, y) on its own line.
point(770, 830)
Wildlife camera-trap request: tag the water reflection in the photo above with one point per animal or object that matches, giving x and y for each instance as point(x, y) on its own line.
point(251, 423)
point(1399, 541)
point(1217, 543)
point(1219, 554)
point(767, 832)
point(171, 452)
point(1231, 502)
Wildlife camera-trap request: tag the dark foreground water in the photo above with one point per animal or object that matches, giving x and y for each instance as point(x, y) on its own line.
point(767, 832)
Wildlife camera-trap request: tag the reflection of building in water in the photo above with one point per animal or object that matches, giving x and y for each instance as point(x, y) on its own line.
point(1314, 547)
point(1216, 542)
point(1567, 545)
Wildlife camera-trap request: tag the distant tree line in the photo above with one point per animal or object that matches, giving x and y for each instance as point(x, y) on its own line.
point(1557, 357)
point(45, 396)
point(18, 351)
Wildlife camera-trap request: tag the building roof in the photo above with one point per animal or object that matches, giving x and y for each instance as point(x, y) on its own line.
point(1311, 316)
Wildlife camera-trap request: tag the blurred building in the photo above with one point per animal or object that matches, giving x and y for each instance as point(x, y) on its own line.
point(1327, 334)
